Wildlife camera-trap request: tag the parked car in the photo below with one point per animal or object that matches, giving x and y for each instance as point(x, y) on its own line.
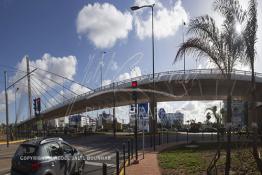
point(51, 156)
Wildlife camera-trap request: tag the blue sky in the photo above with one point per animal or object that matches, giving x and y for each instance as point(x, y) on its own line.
point(70, 31)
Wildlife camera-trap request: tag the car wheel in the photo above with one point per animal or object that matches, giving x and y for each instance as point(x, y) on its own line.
point(81, 169)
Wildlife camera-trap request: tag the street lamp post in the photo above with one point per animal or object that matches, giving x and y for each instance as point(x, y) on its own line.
point(6, 109)
point(16, 116)
point(133, 8)
point(15, 106)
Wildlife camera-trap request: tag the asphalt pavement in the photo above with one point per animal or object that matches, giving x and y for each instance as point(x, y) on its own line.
point(101, 149)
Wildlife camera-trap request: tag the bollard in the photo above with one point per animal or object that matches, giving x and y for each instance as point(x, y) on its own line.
point(159, 139)
point(151, 143)
point(104, 169)
point(202, 135)
point(132, 152)
point(176, 136)
point(167, 137)
point(124, 157)
point(187, 136)
point(128, 152)
point(117, 162)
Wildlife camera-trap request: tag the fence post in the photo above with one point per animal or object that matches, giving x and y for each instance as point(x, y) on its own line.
point(124, 157)
point(159, 140)
point(128, 151)
point(187, 136)
point(117, 162)
point(104, 169)
point(167, 137)
point(132, 148)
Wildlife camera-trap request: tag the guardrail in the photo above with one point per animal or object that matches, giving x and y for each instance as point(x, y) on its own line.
point(150, 78)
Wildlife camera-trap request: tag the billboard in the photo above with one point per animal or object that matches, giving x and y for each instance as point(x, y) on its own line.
point(142, 110)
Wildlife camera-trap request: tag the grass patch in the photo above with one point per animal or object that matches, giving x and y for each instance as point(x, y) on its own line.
point(185, 160)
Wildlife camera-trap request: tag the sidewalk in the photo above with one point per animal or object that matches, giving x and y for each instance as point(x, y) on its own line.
point(149, 165)
point(11, 142)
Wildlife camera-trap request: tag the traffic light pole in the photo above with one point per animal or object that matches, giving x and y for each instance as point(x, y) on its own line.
point(114, 112)
point(6, 102)
point(6, 109)
point(136, 128)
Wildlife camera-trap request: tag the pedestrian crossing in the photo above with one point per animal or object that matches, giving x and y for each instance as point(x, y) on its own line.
point(96, 156)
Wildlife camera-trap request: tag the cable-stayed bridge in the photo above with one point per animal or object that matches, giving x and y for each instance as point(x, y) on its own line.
point(200, 84)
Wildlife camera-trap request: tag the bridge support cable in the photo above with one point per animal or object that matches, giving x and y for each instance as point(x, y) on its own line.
point(42, 95)
point(37, 94)
point(62, 77)
point(45, 91)
point(50, 87)
point(60, 85)
point(47, 98)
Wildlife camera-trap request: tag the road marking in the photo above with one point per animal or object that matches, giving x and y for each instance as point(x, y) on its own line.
point(95, 153)
point(99, 164)
point(106, 153)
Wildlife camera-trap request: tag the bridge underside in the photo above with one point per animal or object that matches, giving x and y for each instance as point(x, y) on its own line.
point(166, 89)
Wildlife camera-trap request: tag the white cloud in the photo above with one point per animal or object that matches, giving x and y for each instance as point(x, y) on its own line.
point(135, 72)
point(103, 24)
point(166, 20)
point(65, 66)
point(106, 82)
point(114, 65)
point(78, 89)
point(11, 98)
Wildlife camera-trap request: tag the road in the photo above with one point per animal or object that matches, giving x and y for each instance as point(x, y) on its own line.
point(102, 149)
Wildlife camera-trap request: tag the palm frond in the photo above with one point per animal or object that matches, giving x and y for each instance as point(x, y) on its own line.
point(200, 48)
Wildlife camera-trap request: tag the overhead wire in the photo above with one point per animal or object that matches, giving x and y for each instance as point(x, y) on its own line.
point(61, 76)
point(50, 87)
point(59, 84)
point(46, 91)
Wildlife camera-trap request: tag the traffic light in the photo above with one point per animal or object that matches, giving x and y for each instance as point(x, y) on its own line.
point(134, 84)
point(37, 106)
point(134, 87)
point(38, 101)
point(34, 104)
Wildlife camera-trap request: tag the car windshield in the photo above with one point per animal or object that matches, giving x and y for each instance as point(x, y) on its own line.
point(26, 150)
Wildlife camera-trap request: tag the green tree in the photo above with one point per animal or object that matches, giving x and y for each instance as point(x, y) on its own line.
point(250, 38)
point(224, 47)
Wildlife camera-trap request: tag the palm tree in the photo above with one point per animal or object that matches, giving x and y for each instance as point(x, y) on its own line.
point(217, 116)
point(223, 47)
point(250, 40)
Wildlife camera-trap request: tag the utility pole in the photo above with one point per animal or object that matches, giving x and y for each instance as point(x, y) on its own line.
point(114, 112)
point(6, 109)
point(29, 88)
point(101, 67)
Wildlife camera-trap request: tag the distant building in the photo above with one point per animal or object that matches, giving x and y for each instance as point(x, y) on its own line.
point(77, 120)
point(174, 118)
point(238, 114)
point(105, 122)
